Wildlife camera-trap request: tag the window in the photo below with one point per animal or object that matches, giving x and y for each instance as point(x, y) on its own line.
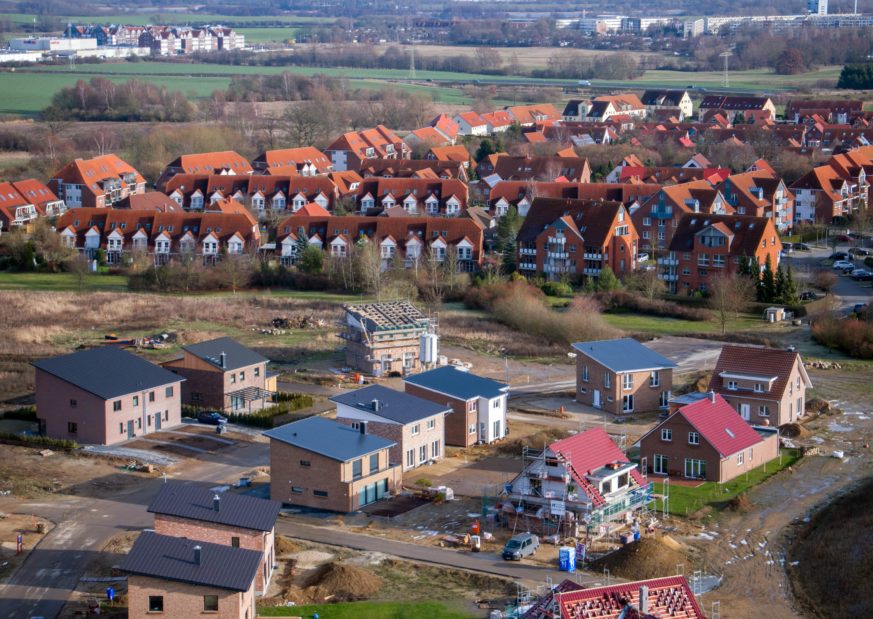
point(151, 396)
point(116, 406)
point(606, 380)
point(759, 387)
point(320, 493)
point(732, 385)
point(693, 438)
point(422, 453)
point(495, 403)
point(257, 372)
point(210, 603)
point(121, 428)
point(764, 410)
point(410, 457)
point(233, 379)
point(798, 383)
point(664, 399)
point(627, 382)
point(72, 427)
point(435, 449)
point(234, 542)
point(497, 429)
point(416, 429)
point(431, 424)
point(695, 469)
point(666, 434)
point(168, 392)
point(242, 376)
point(139, 424)
point(627, 404)
point(156, 603)
point(296, 490)
point(473, 406)
point(305, 464)
point(374, 463)
point(136, 400)
point(471, 429)
point(740, 458)
point(660, 464)
point(73, 403)
point(654, 378)
point(357, 469)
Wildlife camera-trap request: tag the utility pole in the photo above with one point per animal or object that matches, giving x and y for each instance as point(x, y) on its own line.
point(726, 54)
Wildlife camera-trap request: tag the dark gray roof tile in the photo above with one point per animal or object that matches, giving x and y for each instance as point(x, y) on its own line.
point(329, 438)
point(394, 405)
point(197, 502)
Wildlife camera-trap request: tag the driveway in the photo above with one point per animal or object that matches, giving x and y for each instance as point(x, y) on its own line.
point(44, 581)
point(848, 291)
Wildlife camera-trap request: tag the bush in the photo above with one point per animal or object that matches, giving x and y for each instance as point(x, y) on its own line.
point(825, 280)
point(852, 336)
point(557, 289)
point(266, 418)
point(38, 441)
point(25, 413)
point(485, 297)
point(621, 300)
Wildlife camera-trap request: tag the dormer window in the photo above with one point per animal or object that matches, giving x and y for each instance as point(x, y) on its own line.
point(759, 388)
point(732, 385)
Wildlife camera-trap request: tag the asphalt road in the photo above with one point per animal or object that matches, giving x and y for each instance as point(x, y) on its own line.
point(848, 291)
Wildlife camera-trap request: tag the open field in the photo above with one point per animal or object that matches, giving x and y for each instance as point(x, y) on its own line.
point(60, 282)
point(374, 610)
point(659, 325)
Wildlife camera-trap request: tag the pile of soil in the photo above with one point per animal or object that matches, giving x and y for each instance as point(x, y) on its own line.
point(741, 503)
point(284, 546)
point(537, 440)
point(793, 430)
point(343, 583)
point(651, 557)
point(698, 383)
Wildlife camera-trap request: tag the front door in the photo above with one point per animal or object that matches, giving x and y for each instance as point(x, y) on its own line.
point(157, 421)
point(130, 429)
point(597, 398)
point(746, 411)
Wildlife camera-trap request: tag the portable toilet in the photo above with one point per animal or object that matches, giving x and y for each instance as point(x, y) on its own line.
point(567, 559)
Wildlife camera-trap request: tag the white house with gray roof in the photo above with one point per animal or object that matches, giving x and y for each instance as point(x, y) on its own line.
point(416, 425)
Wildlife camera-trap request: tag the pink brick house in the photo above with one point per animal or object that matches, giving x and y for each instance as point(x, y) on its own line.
point(105, 396)
point(196, 512)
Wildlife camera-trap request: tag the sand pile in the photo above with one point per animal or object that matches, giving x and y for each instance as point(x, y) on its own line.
point(339, 582)
point(651, 557)
point(741, 503)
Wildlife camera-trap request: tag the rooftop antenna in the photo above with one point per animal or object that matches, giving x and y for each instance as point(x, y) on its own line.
point(726, 54)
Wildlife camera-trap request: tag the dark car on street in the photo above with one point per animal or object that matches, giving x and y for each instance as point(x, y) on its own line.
point(211, 417)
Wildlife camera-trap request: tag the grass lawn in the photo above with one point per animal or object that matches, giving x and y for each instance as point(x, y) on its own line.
point(658, 325)
point(267, 35)
point(61, 282)
point(371, 610)
point(684, 500)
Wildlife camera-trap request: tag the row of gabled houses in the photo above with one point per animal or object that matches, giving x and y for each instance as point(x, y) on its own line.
point(160, 39)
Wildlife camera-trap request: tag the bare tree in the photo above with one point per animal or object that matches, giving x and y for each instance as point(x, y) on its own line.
point(728, 296)
point(78, 266)
point(368, 264)
point(235, 271)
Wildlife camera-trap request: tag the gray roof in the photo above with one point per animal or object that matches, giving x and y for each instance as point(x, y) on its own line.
point(458, 384)
point(235, 354)
point(329, 438)
point(107, 372)
point(172, 558)
point(624, 355)
point(394, 405)
point(196, 501)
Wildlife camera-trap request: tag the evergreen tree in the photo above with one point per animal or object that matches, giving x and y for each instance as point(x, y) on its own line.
point(486, 147)
point(507, 235)
point(789, 291)
point(779, 293)
point(766, 292)
point(607, 281)
point(748, 268)
point(311, 260)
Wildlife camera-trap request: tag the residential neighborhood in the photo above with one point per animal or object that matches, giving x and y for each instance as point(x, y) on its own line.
point(433, 313)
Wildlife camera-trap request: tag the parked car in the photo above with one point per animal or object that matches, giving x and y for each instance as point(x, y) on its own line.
point(859, 251)
point(860, 308)
point(808, 295)
point(521, 546)
point(787, 247)
point(211, 417)
point(862, 275)
point(844, 266)
point(801, 247)
point(585, 82)
point(838, 255)
point(642, 257)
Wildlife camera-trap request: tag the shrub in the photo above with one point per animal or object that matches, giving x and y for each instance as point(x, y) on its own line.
point(620, 300)
point(38, 441)
point(486, 297)
point(852, 336)
point(557, 289)
point(25, 413)
point(265, 418)
point(824, 280)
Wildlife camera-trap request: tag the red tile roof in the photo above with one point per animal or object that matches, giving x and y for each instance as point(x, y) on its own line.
point(720, 425)
point(294, 158)
point(89, 172)
point(669, 598)
point(757, 361)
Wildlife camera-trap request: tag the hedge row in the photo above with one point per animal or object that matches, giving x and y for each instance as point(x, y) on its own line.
point(38, 441)
point(25, 413)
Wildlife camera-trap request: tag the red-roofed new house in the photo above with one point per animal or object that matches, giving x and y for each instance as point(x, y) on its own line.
point(226, 162)
point(585, 474)
point(349, 150)
point(15, 210)
point(657, 598)
point(765, 385)
point(708, 440)
point(305, 161)
point(100, 182)
point(39, 195)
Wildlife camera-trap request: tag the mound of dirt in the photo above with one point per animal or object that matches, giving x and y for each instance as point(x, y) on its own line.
point(741, 503)
point(651, 557)
point(697, 383)
point(338, 582)
point(514, 447)
point(793, 430)
point(284, 546)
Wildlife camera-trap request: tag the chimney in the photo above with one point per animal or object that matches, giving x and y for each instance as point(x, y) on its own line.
point(644, 599)
point(376, 405)
point(362, 425)
point(712, 396)
point(223, 360)
point(196, 555)
point(216, 502)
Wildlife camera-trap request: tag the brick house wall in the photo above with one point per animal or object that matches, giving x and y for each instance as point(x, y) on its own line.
point(59, 404)
point(459, 421)
point(391, 431)
point(408, 439)
point(186, 600)
point(293, 482)
point(249, 539)
point(780, 409)
point(208, 386)
point(594, 385)
point(357, 353)
point(718, 469)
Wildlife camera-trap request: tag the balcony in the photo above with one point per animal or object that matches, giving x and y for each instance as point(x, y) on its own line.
point(528, 251)
point(662, 215)
point(592, 256)
point(594, 272)
point(670, 262)
point(560, 255)
point(527, 266)
point(668, 277)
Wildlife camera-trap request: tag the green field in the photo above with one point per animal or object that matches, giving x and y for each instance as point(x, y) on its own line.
point(60, 282)
point(267, 35)
point(142, 19)
point(685, 500)
point(754, 79)
point(371, 610)
point(659, 325)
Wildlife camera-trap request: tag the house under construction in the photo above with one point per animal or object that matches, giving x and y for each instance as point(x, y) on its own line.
point(579, 485)
point(395, 336)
